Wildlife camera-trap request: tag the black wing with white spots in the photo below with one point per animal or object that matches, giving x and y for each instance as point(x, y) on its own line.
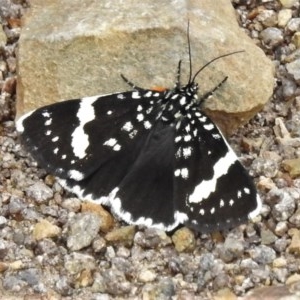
point(212, 188)
point(154, 157)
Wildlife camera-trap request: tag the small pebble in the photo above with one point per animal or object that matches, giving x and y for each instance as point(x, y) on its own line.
point(107, 220)
point(45, 229)
point(263, 254)
point(293, 69)
point(284, 15)
point(146, 275)
point(76, 262)
point(122, 235)
point(267, 237)
point(288, 3)
point(294, 246)
point(40, 192)
point(293, 25)
point(184, 240)
point(272, 37)
point(83, 228)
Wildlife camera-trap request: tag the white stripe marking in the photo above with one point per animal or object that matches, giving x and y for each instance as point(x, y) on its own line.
point(85, 114)
point(206, 187)
point(257, 210)
point(19, 123)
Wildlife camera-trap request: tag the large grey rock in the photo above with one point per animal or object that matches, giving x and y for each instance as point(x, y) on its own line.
point(70, 49)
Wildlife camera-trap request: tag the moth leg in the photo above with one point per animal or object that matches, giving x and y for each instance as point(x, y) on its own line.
point(209, 93)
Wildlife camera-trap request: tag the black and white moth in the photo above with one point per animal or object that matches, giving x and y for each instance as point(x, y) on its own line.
point(153, 156)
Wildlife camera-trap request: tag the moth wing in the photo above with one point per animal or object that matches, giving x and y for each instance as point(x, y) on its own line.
point(146, 194)
point(213, 190)
point(73, 139)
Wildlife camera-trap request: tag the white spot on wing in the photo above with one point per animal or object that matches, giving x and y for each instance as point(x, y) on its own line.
point(46, 114)
point(222, 203)
point(209, 126)
point(177, 172)
point(180, 217)
point(55, 139)
point(127, 126)
point(133, 133)
point(140, 117)
point(178, 139)
point(111, 142)
point(76, 175)
point(48, 122)
point(182, 101)
point(187, 152)
point(247, 191)
point(117, 147)
point(135, 95)
point(147, 125)
point(187, 138)
point(121, 96)
point(184, 173)
point(85, 114)
point(216, 136)
point(148, 111)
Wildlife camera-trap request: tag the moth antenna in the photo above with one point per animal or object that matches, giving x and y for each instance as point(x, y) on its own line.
point(190, 51)
point(177, 85)
point(208, 63)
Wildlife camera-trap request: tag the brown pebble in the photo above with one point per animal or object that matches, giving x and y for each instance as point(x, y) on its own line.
point(184, 240)
point(122, 235)
point(107, 220)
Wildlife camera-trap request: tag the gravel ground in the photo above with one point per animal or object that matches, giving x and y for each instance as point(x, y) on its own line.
point(52, 247)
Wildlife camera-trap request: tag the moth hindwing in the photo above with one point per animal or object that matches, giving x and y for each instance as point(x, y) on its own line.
point(151, 155)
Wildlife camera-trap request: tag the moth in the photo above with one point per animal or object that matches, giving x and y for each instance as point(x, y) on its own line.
point(153, 156)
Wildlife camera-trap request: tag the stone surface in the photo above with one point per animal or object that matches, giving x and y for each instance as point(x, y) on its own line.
point(84, 55)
